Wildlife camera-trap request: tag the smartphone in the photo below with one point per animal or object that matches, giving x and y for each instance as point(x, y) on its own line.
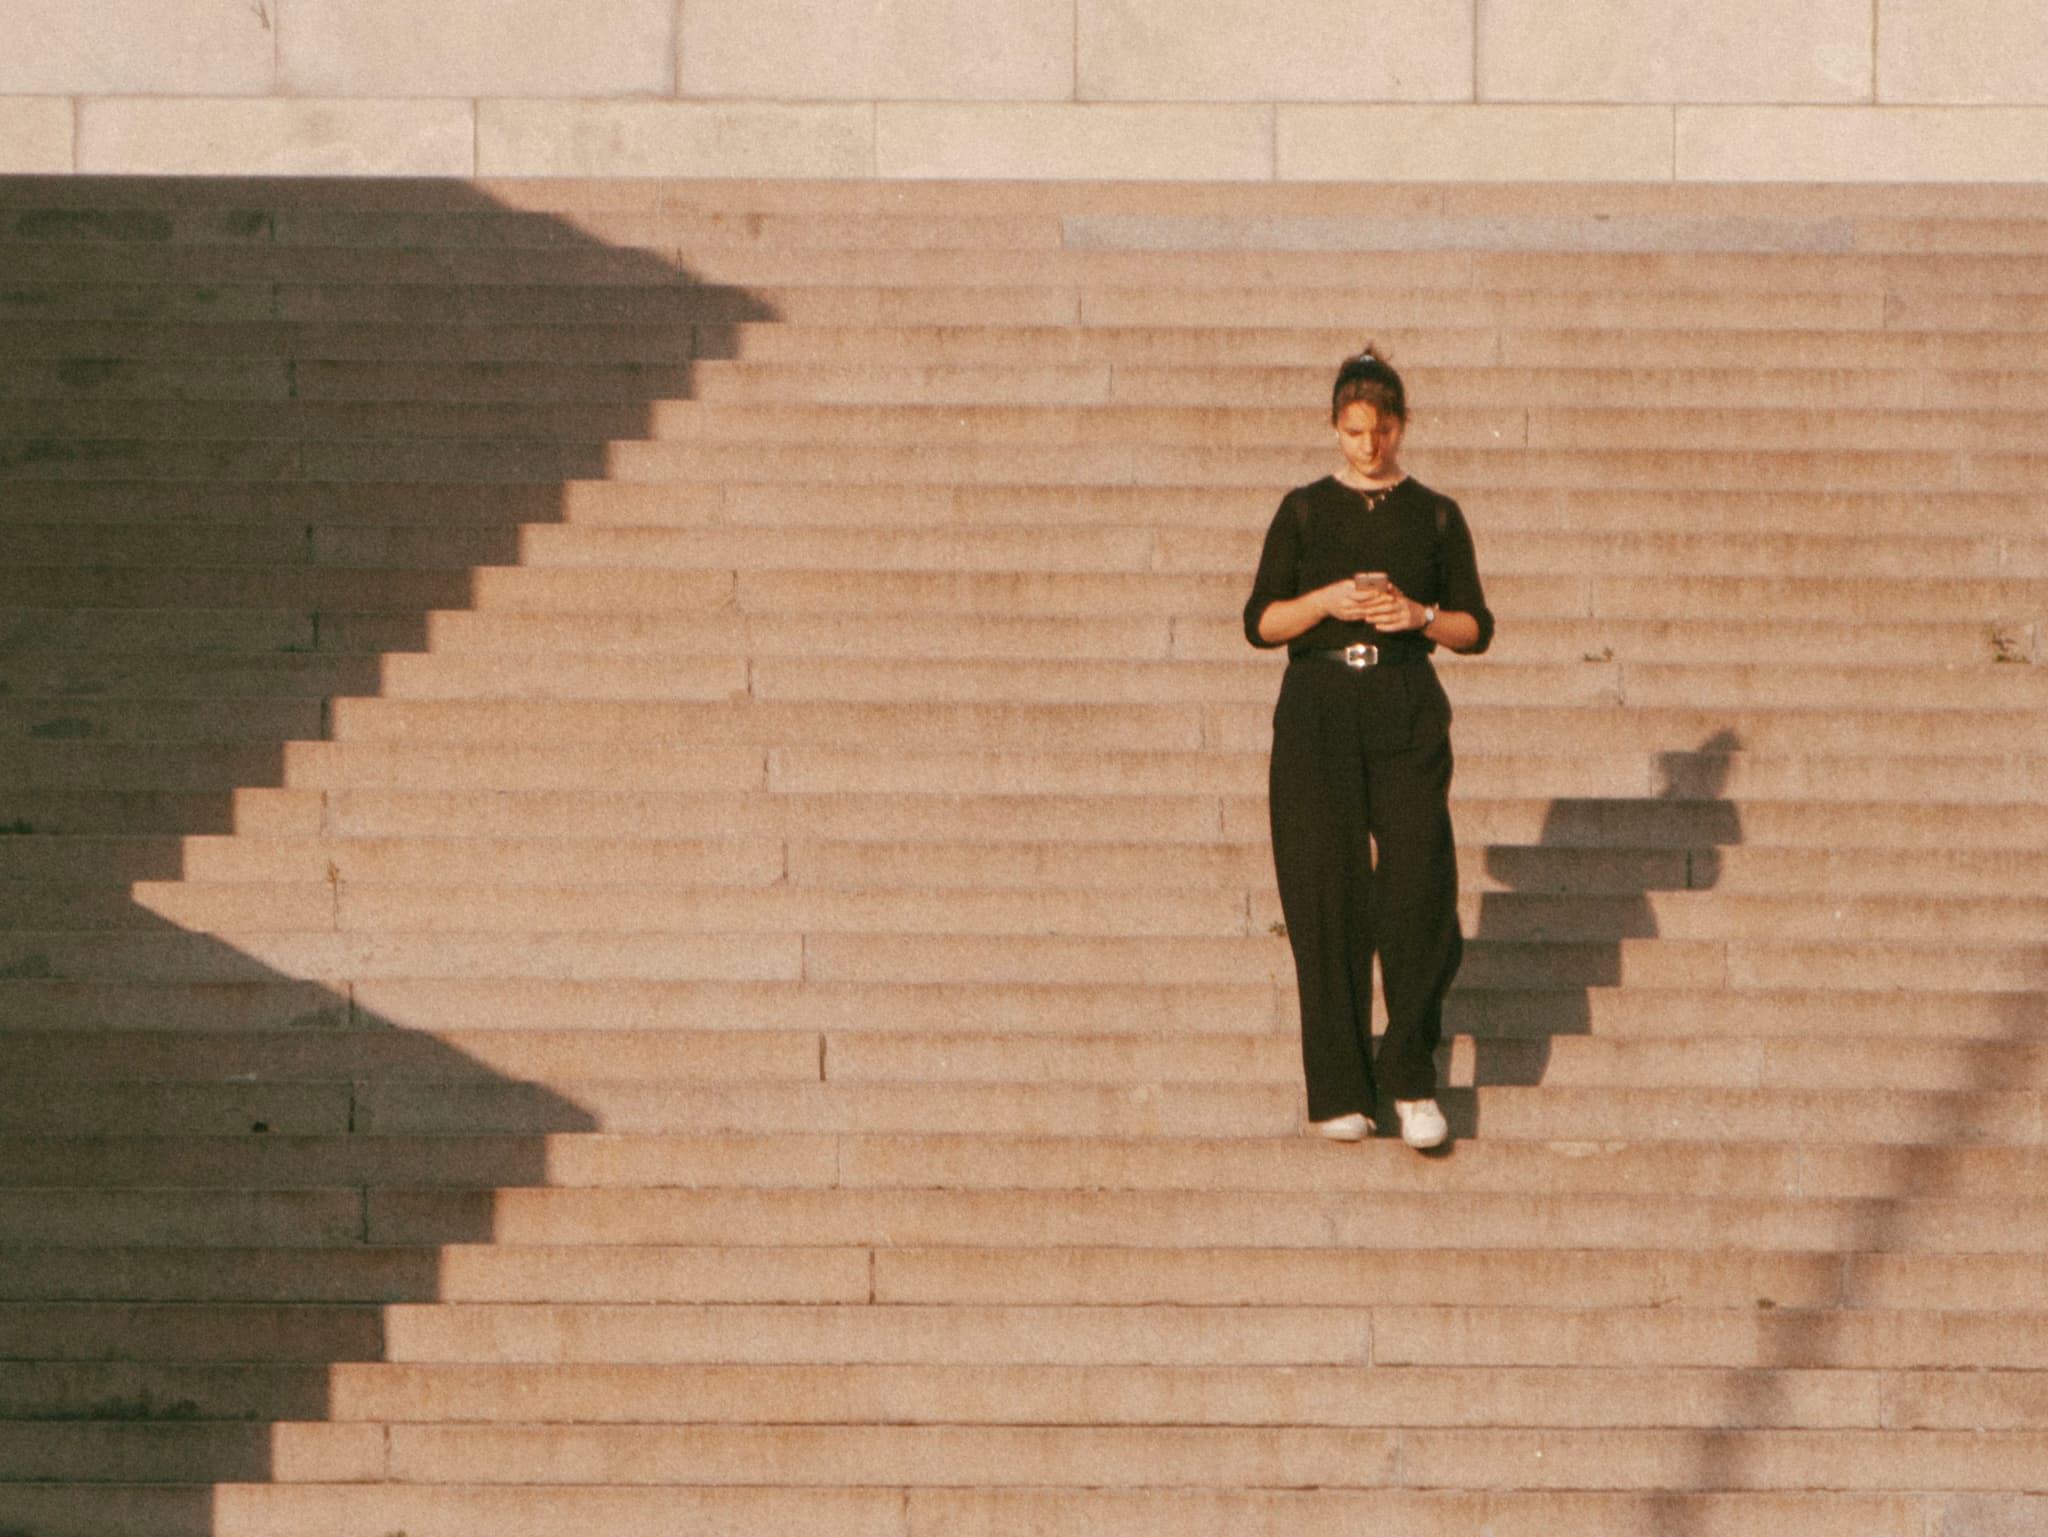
point(1368, 581)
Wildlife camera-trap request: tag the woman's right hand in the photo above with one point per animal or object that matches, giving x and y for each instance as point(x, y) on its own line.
point(1340, 600)
point(1289, 617)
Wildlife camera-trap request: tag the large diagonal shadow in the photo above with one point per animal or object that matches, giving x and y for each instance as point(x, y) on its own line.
point(185, 595)
point(1911, 1166)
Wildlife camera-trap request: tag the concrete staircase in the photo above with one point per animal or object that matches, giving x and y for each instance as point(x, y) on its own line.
point(634, 895)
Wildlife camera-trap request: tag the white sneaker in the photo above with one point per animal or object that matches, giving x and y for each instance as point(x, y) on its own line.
point(1355, 1127)
point(1422, 1123)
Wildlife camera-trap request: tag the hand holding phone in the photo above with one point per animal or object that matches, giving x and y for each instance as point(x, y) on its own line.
point(1384, 607)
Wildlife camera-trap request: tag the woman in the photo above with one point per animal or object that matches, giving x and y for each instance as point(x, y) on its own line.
point(1364, 574)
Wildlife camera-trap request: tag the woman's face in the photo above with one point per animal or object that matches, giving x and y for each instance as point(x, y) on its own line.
point(1369, 440)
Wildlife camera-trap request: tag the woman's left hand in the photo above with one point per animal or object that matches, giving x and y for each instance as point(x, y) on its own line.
point(1391, 610)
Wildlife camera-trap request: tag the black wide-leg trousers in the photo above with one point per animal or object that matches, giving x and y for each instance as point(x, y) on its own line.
point(1359, 789)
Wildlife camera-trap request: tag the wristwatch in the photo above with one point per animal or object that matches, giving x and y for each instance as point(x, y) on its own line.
point(1428, 615)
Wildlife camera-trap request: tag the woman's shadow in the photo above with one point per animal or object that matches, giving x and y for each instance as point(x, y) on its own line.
point(1572, 902)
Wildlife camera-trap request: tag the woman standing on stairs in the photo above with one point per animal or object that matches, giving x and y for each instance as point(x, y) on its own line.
point(1364, 574)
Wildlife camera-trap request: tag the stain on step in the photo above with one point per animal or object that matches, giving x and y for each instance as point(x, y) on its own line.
point(33, 967)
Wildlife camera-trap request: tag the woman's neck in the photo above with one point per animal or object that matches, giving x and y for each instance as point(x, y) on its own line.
point(1346, 476)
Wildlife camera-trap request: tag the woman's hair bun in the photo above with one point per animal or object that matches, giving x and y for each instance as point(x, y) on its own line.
point(1367, 375)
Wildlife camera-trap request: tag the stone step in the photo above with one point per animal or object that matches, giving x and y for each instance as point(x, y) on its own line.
point(1460, 341)
point(1835, 209)
point(445, 516)
point(59, 284)
point(991, 955)
point(661, 214)
point(854, 338)
point(1393, 1335)
point(1513, 1114)
point(1103, 747)
point(58, 676)
point(1182, 1225)
point(1169, 1245)
point(1257, 1055)
point(993, 383)
point(820, 1160)
point(305, 589)
point(275, 1162)
point(310, 380)
point(1739, 1338)
point(1495, 1037)
point(257, 1510)
point(1389, 1397)
point(1469, 465)
point(1965, 917)
point(972, 254)
point(1800, 820)
point(994, 548)
point(1844, 1172)
point(850, 1457)
point(55, 1285)
point(1747, 732)
point(1990, 687)
point(372, 789)
point(254, 651)
point(1386, 1397)
point(217, 807)
point(287, 597)
point(676, 1056)
point(1516, 1011)
point(1182, 824)
point(1206, 1165)
point(1255, 427)
point(468, 1105)
point(1585, 852)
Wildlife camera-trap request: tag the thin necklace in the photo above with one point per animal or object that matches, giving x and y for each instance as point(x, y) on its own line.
point(1374, 497)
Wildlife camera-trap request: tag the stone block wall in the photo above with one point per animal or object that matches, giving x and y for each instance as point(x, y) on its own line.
point(1612, 90)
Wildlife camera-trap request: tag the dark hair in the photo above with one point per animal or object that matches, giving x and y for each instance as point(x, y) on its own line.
point(1368, 376)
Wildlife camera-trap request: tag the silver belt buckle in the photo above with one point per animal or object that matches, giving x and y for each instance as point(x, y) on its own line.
point(1360, 656)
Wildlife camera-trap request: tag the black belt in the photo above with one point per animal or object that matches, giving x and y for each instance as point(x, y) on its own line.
point(1362, 656)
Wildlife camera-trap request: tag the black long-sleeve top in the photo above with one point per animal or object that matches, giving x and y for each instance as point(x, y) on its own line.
point(1325, 532)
